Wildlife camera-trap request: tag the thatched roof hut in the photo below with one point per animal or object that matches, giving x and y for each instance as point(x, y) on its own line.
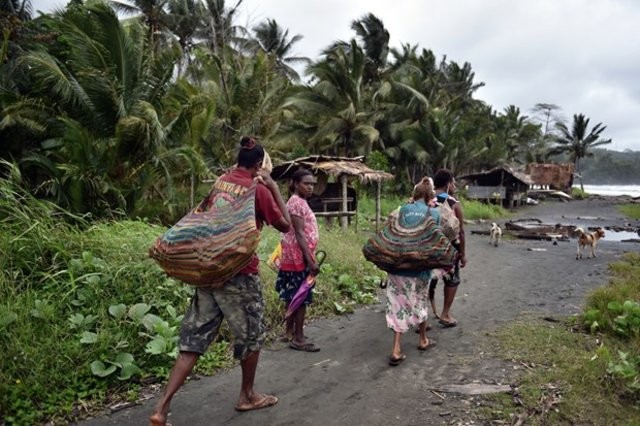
point(340, 168)
point(553, 176)
point(332, 166)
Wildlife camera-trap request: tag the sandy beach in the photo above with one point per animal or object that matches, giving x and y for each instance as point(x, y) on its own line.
point(349, 381)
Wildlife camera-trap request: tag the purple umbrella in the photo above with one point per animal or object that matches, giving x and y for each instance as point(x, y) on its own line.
point(304, 289)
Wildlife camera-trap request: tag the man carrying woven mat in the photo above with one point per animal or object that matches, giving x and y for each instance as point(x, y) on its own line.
point(239, 300)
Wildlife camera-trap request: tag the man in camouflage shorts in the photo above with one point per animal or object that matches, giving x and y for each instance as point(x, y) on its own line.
point(239, 300)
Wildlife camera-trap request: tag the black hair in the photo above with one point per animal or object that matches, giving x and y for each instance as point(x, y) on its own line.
point(251, 153)
point(442, 178)
point(297, 176)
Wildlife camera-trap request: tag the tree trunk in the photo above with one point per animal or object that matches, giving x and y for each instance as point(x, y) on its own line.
point(577, 167)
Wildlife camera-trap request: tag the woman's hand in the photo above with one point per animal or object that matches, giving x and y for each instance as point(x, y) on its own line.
point(314, 268)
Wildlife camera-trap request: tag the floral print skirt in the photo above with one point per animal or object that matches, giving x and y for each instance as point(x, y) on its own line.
point(288, 283)
point(407, 302)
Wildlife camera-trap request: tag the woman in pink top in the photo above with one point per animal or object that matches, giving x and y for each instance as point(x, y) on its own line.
point(297, 260)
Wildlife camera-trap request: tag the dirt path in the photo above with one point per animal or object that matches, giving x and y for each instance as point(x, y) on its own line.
point(349, 381)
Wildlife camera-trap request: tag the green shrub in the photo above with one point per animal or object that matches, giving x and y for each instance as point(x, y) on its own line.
point(82, 309)
point(475, 210)
point(630, 210)
point(578, 194)
point(614, 312)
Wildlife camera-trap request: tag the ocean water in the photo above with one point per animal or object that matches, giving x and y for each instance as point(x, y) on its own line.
point(631, 190)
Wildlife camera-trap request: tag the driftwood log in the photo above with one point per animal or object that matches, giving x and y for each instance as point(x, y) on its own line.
point(532, 235)
point(535, 231)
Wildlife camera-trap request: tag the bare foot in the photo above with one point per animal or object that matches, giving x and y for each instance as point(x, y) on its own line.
point(259, 401)
point(423, 342)
point(158, 419)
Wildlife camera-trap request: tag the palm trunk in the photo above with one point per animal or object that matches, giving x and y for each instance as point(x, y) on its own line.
point(579, 173)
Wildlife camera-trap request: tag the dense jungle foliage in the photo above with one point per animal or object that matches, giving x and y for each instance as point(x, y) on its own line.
point(121, 109)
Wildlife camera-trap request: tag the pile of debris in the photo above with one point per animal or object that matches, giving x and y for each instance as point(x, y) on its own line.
point(534, 229)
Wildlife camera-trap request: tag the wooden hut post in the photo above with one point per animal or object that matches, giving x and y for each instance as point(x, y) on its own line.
point(344, 220)
point(378, 191)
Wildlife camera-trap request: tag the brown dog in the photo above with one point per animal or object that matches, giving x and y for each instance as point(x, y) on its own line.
point(588, 240)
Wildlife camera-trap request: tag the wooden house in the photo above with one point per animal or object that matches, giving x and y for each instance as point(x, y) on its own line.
point(502, 185)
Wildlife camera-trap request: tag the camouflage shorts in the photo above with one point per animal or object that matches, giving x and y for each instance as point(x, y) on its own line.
point(240, 302)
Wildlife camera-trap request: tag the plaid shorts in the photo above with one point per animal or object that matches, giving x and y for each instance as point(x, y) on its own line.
point(240, 302)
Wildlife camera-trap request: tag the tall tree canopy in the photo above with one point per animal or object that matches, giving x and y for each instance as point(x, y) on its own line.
point(578, 142)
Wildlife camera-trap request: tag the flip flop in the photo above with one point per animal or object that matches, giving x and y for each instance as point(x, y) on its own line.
point(447, 324)
point(267, 401)
point(305, 347)
point(396, 361)
point(432, 344)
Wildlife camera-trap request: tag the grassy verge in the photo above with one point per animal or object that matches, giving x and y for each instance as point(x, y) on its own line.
point(473, 210)
point(578, 194)
point(630, 210)
point(586, 371)
point(87, 319)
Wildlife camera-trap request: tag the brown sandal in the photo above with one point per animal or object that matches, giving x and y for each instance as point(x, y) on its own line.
point(267, 401)
point(396, 361)
point(432, 343)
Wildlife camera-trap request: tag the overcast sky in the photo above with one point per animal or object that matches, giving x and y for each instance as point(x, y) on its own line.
point(582, 55)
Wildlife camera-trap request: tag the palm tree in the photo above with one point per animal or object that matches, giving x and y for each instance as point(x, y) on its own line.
point(578, 142)
point(220, 31)
point(517, 134)
point(183, 20)
point(274, 40)
point(103, 94)
point(375, 43)
point(339, 119)
point(152, 12)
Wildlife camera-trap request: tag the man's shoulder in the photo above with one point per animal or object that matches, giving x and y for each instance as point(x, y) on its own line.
point(237, 177)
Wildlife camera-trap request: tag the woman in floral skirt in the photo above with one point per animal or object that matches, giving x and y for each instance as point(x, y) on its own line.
point(407, 292)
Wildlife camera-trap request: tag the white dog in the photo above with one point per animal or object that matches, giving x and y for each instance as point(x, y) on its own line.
point(495, 235)
point(588, 240)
